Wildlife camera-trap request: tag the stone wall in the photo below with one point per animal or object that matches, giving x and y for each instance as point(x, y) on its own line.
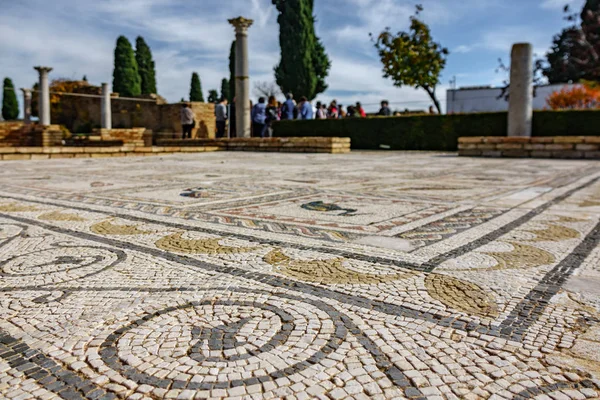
point(534, 147)
point(11, 133)
point(82, 114)
point(204, 115)
point(133, 136)
point(277, 144)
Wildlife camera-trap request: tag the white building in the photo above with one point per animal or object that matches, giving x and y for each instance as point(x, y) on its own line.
point(485, 98)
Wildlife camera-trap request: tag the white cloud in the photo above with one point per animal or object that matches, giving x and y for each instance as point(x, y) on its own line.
point(462, 49)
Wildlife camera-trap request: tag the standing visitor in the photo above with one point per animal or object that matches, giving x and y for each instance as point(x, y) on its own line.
point(332, 111)
point(221, 116)
point(431, 110)
point(259, 118)
point(305, 110)
point(187, 121)
point(272, 115)
point(341, 112)
point(321, 113)
point(361, 110)
point(385, 111)
point(288, 108)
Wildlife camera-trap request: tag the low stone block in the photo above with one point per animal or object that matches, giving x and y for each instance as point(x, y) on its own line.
point(591, 139)
point(469, 146)
point(567, 154)
point(62, 155)
point(470, 139)
point(569, 139)
point(486, 146)
point(40, 156)
point(82, 155)
point(542, 139)
point(541, 154)
point(509, 146)
point(28, 150)
point(586, 147)
point(591, 154)
point(558, 147)
point(494, 139)
point(100, 155)
point(534, 146)
point(515, 153)
point(8, 150)
point(491, 153)
point(517, 139)
point(16, 156)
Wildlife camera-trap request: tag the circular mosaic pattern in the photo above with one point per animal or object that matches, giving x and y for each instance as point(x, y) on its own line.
point(59, 264)
point(269, 339)
point(8, 231)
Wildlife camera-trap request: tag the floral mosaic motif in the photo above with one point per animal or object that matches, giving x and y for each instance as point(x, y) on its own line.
point(12, 207)
point(330, 271)
point(58, 216)
point(461, 295)
point(521, 256)
point(554, 233)
point(108, 228)
point(177, 243)
point(326, 207)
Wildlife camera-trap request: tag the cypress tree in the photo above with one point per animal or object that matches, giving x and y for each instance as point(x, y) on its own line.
point(225, 89)
point(126, 78)
point(232, 72)
point(213, 96)
point(143, 56)
point(196, 89)
point(84, 78)
point(304, 64)
point(10, 106)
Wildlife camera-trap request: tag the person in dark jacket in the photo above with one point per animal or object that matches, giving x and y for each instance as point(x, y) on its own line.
point(259, 118)
point(385, 111)
point(288, 109)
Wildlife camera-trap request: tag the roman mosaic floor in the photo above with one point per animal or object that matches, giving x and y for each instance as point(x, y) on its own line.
point(296, 276)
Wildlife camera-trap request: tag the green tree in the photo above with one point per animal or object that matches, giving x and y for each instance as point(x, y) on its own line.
point(232, 72)
point(412, 58)
point(587, 54)
point(126, 78)
point(561, 66)
point(146, 69)
point(10, 106)
point(84, 78)
point(304, 64)
point(196, 89)
point(213, 96)
point(225, 89)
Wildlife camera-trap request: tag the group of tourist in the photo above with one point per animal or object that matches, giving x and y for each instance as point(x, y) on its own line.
point(269, 110)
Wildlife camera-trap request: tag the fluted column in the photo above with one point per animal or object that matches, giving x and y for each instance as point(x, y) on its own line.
point(242, 80)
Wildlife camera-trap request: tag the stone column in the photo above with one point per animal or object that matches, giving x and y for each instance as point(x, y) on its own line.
point(520, 101)
point(242, 80)
point(44, 96)
point(106, 115)
point(26, 106)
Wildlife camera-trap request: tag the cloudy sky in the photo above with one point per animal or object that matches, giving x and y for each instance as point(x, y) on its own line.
point(77, 37)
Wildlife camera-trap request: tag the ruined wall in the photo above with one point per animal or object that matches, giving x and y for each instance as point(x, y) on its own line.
point(82, 114)
point(204, 115)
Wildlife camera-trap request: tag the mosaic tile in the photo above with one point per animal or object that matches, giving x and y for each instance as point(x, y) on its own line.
point(246, 277)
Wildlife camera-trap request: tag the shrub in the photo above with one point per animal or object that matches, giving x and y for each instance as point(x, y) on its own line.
point(437, 132)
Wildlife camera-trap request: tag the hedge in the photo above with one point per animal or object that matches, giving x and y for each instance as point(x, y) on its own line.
point(437, 132)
